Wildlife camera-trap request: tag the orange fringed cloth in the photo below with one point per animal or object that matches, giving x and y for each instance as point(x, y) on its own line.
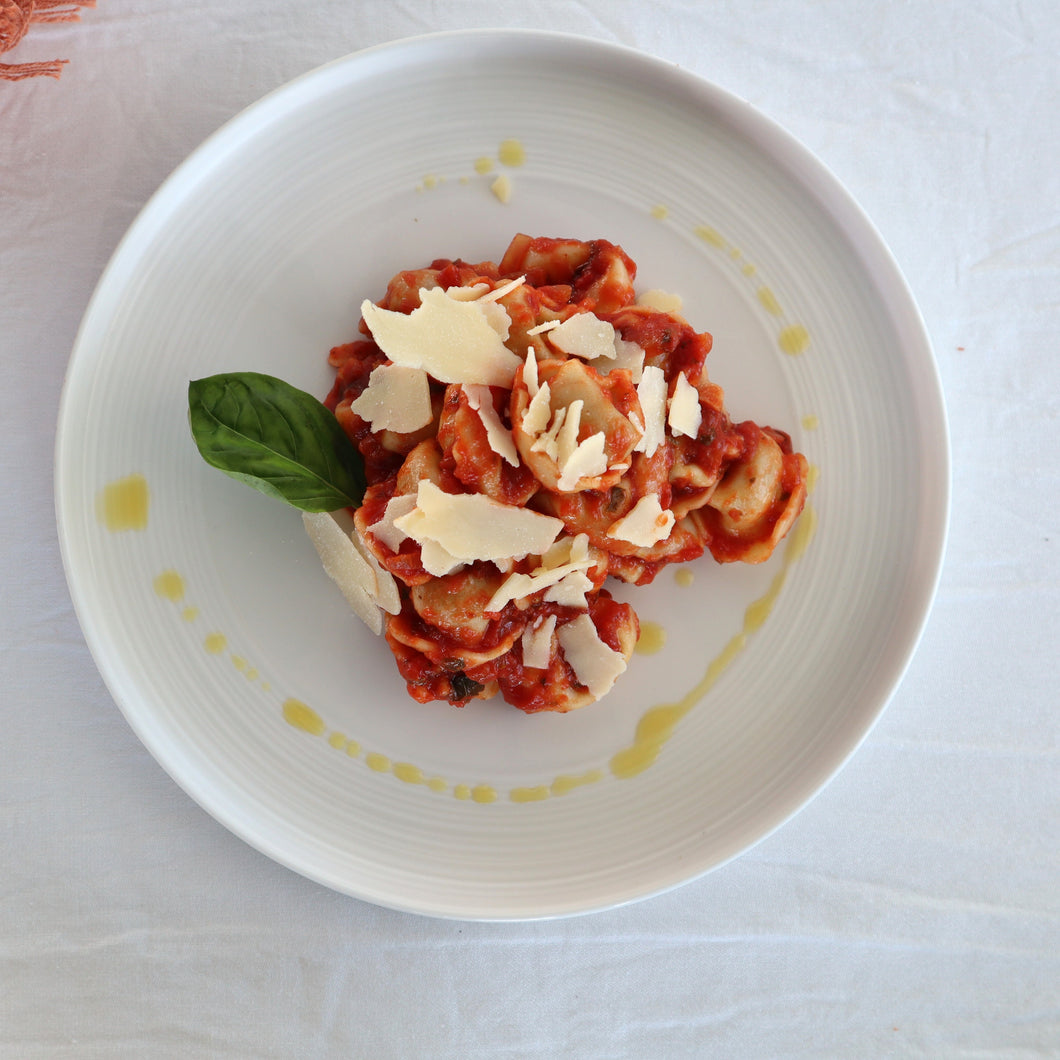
point(15, 19)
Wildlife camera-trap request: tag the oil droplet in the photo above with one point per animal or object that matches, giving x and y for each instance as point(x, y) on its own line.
point(483, 165)
point(537, 794)
point(438, 784)
point(684, 577)
point(653, 730)
point(748, 269)
point(511, 153)
point(338, 741)
point(811, 422)
point(769, 301)
point(803, 533)
point(430, 181)
point(710, 235)
point(296, 713)
point(251, 674)
point(758, 611)
point(215, 643)
point(794, 339)
point(652, 638)
point(564, 785)
point(408, 773)
point(462, 792)
point(239, 662)
point(483, 793)
point(189, 614)
point(170, 585)
point(380, 763)
point(812, 476)
point(353, 748)
point(124, 504)
point(660, 212)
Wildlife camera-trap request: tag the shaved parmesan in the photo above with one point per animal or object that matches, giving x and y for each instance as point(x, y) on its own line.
point(587, 461)
point(628, 355)
point(570, 590)
point(467, 294)
point(384, 531)
point(472, 526)
point(437, 560)
point(480, 398)
point(685, 415)
point(584, 335)
point(397, 398)
point(546, 443)
point(345, 566)
point(567, 438)
point(661, 300)
point(645, 525)
point(651, 391)
point(546, 325)
point(567, 556)
point(502, 188)
point(504, 289)
point(530, 378)
point(538, 412)
point(594, 664)
point(386, 593)
point(537, 643)
point(452, 340)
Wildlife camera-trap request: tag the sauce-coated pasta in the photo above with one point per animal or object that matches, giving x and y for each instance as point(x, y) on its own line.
point(606, 429)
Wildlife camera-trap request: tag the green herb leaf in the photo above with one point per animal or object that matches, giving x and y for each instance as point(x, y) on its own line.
point(276, 438)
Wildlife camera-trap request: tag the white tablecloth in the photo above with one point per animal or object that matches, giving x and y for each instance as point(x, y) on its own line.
point(911, 910)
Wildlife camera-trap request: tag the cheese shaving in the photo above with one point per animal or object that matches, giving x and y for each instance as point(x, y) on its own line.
point(570, 591)
point(567, 556)
point(384, 531)
point(546, 443)
point(502, 188)
point(540, 329)
point(451, 340)
point(645, 525)
point(685, 415)
point(538, 412)
point(584, 335)
point(628, 355)
point(661, 300)
point(472, 526)
point(594, 664)
point(505, 289)
point(587, 461)
point(397, 398)
point(537, 643)
point(651, 392)
point(530, 376)
point(480, 398)
point(345, 566)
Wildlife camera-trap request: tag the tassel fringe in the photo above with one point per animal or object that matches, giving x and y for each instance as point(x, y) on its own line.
point(15, 19)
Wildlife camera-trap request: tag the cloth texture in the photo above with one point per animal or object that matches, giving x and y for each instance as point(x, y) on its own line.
point(910, 910)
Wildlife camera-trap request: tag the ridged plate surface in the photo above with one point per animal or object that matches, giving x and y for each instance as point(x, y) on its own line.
point(235, 659)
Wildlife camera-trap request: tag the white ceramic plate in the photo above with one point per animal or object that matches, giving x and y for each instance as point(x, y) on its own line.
point(214, 614)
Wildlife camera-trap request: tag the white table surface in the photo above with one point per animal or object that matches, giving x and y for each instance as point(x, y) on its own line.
point(910, 910)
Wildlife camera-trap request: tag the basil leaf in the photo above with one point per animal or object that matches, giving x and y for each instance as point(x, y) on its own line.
point(276, 438)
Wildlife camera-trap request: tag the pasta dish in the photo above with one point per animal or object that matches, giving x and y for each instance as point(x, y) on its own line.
point(529, 428)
